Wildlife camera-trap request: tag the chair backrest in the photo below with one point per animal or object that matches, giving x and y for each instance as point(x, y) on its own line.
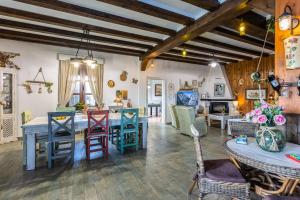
point(98, 122)
point(198, 148)
point(174, 116)
point(130, 117)
point(60, 122)
point(65, 109)
point(26, 117)
point(186, 117)
point(115, 109)
point(142, 110)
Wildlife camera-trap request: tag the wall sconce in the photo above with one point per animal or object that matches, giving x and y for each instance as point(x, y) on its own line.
point(242, 28)
point(287, 20)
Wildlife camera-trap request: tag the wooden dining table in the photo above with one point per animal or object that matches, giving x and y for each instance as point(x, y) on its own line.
point(271, 163)
point(39, 127)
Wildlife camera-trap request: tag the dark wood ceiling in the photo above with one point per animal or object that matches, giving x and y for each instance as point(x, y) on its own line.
point(213, 35)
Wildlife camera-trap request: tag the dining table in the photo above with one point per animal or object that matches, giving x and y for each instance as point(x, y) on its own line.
point(39, 127)
point(277, 164)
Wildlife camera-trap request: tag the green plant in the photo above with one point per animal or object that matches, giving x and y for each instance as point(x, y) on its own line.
point(271, 25)
point(80, 106)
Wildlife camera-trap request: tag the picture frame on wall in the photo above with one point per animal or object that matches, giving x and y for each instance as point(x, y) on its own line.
point(158, 90)
point(253, 94)
point(219, 90)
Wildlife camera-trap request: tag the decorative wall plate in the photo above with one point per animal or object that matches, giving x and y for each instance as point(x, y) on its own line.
point(111, 83)
point(123, 76)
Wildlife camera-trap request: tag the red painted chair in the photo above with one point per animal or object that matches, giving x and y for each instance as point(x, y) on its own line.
point(96, 136)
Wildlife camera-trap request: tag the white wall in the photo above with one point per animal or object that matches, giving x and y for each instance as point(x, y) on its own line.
point(33, 56)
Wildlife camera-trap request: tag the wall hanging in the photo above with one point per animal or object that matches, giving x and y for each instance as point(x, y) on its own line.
point(134, 80)
point(292, 52)
point(256, 94)
point(29, 83)
point(5, 59)
point(123, 76)
point(111, 83)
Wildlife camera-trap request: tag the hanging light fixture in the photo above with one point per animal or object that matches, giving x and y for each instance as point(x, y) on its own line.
point(89, 59)
point(287, 20)
point(184, 52)
point(213, 63)
point(242, 28)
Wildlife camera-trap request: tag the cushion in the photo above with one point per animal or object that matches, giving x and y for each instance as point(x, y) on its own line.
point(223, 170)
point(281, 198)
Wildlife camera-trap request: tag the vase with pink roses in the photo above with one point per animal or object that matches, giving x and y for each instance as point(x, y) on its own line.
point(268, 137)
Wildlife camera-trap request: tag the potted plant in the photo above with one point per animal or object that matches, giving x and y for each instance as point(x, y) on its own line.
point(268, 137)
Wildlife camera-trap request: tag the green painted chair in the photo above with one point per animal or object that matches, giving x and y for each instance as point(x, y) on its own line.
point(129, 134)
point(186, 117)
point(65, 109)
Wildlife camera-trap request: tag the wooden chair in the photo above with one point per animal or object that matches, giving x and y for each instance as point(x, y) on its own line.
point(61, 136)
point(39, 140)
point(217, 176)
point(129, 134)
point(96, 138)
point(114, 130)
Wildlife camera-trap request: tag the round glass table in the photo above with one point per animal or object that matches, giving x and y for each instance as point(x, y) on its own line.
point(269, 162)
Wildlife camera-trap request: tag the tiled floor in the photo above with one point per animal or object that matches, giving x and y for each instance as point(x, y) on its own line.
point(162, 172)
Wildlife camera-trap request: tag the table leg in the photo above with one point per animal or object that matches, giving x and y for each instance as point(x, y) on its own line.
point(208, 121)
point(156, 111)
point(222, 124)
point(24, 149)
point(145, 134)
point(151, 111)
point(296, 182)
point(263, 192)
point(30, 146)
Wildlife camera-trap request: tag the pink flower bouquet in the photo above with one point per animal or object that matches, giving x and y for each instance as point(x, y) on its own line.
point(266, 114)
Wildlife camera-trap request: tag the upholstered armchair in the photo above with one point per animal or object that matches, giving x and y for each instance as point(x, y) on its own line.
point(174, 116)
point(187, 117)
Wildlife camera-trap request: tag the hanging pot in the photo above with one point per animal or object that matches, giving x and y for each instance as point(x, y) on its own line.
point(270, 139)
point(292, 52)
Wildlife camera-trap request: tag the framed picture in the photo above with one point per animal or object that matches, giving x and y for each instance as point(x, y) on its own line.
point(253, 94)
point(122, 94)
point(158, 90)
point(219, 90)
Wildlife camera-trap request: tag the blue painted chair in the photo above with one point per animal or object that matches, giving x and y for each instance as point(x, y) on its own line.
point(129, 134)
point(61, 136)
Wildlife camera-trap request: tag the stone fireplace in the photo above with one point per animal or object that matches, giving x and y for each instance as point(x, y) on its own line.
point(218, 107)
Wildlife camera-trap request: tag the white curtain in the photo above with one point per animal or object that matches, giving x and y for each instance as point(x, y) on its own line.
point(96, 82)
point(66, 81)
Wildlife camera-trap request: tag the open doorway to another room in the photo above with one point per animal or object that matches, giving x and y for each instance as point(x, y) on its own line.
point(155, 99)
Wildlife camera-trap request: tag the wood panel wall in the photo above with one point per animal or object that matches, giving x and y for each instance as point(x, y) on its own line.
point(291, 103)
point(242, 70)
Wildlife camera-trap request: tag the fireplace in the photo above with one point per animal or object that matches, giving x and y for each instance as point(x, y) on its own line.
point(218, 107)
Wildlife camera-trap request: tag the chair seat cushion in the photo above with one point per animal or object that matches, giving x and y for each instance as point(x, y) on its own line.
point(281, 198)
point(223, 170)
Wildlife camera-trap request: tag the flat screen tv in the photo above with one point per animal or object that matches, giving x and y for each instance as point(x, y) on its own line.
point(187, 98)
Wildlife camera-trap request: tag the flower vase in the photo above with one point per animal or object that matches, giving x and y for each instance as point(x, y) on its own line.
point(271, 139)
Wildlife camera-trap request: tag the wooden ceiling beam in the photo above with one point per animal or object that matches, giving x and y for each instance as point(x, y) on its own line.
point(64, 42)
point(196, 59)
point(245, 39)
point(179, 58)
point(20, 14)
point(199, 55)
point(226, 46)
point(210, 5)
point(216, 52)
point(148, 9)
point(267, 6)
point(230, 9)
point(72, 34)
point(99, 15)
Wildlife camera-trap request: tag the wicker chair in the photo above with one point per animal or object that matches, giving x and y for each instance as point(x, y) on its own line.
point(217, 176)
point(281, 198)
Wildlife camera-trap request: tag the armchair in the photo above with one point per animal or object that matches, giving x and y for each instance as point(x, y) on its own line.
point(174, 116)
point(186, 117)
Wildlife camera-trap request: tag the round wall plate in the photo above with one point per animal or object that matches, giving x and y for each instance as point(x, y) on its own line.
point(111, 83)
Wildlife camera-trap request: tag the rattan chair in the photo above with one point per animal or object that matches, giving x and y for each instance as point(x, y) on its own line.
point(217, 176)
point(280, 198)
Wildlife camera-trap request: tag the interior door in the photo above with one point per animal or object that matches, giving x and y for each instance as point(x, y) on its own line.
point(7, 111)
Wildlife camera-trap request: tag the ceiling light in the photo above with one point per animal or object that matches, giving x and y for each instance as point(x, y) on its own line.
point(213, 63)
point(184, 52)
point(287, 20)
point(93, 65)
point(242, 28)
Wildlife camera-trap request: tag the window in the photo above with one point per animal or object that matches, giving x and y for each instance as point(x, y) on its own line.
point(82, 91)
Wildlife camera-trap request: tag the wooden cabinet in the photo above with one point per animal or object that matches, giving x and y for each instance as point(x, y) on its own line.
point(8, 111)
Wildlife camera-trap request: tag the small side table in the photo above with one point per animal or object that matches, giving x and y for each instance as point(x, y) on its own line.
point(223, 117)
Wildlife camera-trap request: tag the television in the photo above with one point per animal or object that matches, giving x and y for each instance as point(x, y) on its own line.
point(187, 98)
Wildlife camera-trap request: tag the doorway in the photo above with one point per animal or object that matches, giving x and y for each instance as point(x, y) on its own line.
point(156, 100)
